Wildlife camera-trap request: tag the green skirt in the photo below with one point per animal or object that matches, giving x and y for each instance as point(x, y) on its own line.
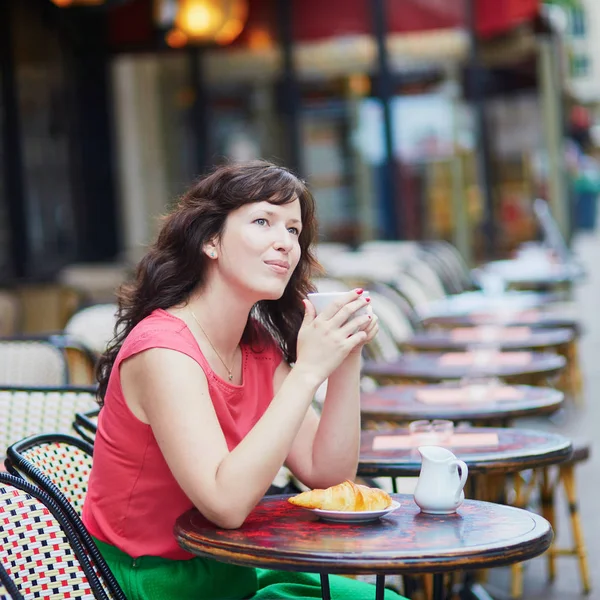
point(155, 578)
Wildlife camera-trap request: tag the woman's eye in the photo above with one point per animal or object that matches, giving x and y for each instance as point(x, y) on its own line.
point(294, 230)
point(261, 222)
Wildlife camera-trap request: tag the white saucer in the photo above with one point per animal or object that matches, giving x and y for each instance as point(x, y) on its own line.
point(360, 516)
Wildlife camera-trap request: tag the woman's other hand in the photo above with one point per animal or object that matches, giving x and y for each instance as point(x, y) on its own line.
point(371, 329)
point(325, 340)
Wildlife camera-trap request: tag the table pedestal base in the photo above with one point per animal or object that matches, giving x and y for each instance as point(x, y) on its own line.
point(438, 588)
point(325, 591)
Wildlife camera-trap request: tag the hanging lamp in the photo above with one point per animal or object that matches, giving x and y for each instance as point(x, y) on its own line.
point(68, 3)
point(208, 21)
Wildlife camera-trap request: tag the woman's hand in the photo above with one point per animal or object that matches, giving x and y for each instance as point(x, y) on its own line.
point(324, 341)
point(371, 329)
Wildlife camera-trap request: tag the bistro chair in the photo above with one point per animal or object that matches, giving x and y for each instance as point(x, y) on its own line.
point(565, 478)
point(93, 326)
point(59, 464)
point(86, 425)
point(454, 266)
point(392, 316)
point(32, 362)
point(42, 551)
point(411, 291)
point(29, 411)
point(450, 279)
point(427, 277)
point(8, 589)
point(81, 361)
point(50, 359)
point(547, 483)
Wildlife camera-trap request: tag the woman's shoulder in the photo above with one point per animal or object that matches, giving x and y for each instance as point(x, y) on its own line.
point(156, 322)
point(158, 329)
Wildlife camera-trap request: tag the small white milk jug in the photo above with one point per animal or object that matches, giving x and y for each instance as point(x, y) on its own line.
point(439, 490)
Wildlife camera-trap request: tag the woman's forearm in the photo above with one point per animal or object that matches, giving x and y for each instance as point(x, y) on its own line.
point(248, 470)
point(337, 441)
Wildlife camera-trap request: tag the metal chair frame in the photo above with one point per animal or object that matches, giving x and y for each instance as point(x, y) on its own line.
point(66, 344)
point(85, 426)
point(19, 466)
point(8, 588)
point(70, 534)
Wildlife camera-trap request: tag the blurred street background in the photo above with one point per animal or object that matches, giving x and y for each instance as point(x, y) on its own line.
point(411, 119)
point(430, 124)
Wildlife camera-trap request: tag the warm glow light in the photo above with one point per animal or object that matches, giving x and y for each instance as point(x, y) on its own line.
point(200, 19)
point(175, 38)
point(220, 21)
point(229, 32)
point(259, 39)
point(67, 3)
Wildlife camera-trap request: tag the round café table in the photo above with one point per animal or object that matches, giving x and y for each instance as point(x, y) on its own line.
point(467, 302)
point(528, 318)
point(529, 275)
point(391, 453)
point(404, 403)
point(278, 535)
point(561, 341)
point(504, 338)
point(431, 367)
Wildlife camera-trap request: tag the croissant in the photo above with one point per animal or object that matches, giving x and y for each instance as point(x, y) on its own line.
point(347, 496)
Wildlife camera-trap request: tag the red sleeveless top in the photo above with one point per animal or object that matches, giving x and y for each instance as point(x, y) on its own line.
point(133, 499)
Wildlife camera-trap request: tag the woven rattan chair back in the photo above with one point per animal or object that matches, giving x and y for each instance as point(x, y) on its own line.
point(63, 459)
point(81, 361)
point(8, 589)
point(60, 466)
point(86, 425)
point(29, 411)
point(39, 548)
point(94, 326)
point(32, 363)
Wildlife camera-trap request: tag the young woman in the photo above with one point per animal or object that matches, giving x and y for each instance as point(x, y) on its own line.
point(201, 404)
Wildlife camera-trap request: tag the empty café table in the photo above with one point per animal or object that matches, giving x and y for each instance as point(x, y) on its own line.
point(467, 302)
point(505, 338)
point(477, 403)
point(485, 450)
point(533, 318)
point(535, 368)
point(277, 535)
point(533, 275)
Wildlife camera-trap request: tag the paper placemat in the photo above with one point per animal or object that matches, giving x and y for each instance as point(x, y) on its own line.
point(483, 334)
point(457, 440)
point(469, 394)
point(484, 358)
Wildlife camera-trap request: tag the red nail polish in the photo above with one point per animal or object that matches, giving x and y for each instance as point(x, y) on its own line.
point(367, 299)
point(359, 291)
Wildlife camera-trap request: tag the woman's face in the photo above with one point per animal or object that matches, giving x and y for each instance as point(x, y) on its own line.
point(260, 248)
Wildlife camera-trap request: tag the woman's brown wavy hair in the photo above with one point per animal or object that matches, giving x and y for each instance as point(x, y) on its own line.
point(176, 264)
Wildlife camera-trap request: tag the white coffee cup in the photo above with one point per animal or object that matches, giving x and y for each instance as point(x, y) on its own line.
point(321, 300)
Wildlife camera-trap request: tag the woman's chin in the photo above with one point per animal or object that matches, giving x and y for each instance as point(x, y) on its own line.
point(272, 293)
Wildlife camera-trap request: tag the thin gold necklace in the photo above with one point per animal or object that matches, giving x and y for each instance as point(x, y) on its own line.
point(212, 345)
